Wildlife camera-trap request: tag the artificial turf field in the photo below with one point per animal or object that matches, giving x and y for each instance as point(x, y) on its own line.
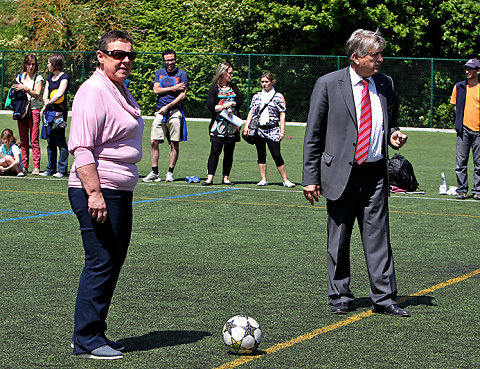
point(200, 255)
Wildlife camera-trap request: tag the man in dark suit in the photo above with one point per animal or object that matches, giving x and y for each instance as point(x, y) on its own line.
point(351, 120)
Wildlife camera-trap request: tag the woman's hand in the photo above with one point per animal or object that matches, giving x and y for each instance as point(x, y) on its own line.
point(282, 135)
point(229, 105)
point(97, 207)
point(246, 131)
point(20, 87)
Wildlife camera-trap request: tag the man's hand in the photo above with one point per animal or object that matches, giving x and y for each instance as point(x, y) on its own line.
point(398, 139)
point(163, 110)
point(179, 87)
point(311, 193)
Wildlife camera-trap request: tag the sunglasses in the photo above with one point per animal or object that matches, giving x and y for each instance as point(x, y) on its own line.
point(120, 54)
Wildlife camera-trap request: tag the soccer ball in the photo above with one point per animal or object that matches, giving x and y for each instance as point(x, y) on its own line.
point(242, 334)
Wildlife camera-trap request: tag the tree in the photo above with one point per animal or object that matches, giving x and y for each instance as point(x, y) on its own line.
point(460, 27)
point(73, 25)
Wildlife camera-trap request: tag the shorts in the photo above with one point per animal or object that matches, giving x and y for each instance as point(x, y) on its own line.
point(170, 129)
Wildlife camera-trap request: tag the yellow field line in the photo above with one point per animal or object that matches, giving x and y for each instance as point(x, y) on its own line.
point(440, 214)
point(246, 203)
point(307, 206)
point(36, 192)
point(245, 359)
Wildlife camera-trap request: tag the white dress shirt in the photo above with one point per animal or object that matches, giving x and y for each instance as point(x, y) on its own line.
point(376, 135)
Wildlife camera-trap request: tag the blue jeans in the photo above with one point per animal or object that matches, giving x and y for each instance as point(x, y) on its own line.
point(105, 246)
point(466, 140)
point(57, 139)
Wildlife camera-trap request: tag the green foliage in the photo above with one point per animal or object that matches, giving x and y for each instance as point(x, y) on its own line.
point(71, 24)
point(419, 28)
point(461, 28)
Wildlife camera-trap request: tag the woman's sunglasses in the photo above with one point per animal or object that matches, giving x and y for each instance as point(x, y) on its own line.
point(120, 54)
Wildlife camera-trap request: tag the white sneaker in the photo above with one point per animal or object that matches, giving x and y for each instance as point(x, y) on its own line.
point(263, 182)
point(289, 184)
point(45, 174)
point(20, 174)
point(152, 177)
point(169, 177)
point(58, 175)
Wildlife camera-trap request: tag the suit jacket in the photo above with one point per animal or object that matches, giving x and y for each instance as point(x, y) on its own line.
point(331, 134)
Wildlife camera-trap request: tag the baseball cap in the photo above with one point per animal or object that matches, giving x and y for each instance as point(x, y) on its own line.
point(472, 63)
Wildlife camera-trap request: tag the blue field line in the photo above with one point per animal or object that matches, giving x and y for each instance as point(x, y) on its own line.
point(38, 215)
point(182, 196)
point(42, 214)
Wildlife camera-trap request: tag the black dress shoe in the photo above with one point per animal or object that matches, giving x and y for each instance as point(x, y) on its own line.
point(340, 308)
point(393, 310)
point(207, 183)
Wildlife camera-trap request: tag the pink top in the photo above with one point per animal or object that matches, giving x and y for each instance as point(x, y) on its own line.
point(106, 130)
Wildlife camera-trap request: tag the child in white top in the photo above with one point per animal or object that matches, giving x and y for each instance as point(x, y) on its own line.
point(11, 160)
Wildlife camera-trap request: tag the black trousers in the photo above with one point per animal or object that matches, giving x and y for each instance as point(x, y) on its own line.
point(215, 151)
point(273, 147)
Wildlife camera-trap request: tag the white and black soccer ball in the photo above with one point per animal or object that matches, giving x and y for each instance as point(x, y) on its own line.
point(242, 334)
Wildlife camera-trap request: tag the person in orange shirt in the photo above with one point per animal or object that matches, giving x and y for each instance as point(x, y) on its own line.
point(466, 103)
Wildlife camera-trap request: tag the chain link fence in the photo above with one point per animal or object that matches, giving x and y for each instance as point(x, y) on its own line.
point(424, 86)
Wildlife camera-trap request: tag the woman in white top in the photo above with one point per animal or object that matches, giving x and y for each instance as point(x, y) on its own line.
point(29, 127)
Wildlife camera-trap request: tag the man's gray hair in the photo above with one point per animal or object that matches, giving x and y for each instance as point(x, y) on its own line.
point(363, 42)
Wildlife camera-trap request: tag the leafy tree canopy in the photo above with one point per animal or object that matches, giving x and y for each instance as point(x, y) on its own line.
point(421, 28)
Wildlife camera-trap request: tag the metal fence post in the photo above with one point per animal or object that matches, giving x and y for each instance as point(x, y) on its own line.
point(249, 78)
point(3, 74)
point(432, 76)
point(83, 66)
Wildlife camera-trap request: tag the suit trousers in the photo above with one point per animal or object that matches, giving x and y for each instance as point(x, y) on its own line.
point(366, 199)
point(105, 246)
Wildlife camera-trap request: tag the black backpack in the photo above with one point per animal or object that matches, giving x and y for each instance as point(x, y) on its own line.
point(400, 173)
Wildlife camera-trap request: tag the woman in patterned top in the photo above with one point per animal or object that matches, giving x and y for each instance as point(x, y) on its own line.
point(267, 117)
point(222, 95)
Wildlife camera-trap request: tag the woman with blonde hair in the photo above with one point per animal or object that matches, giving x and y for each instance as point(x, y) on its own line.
point(222, 95)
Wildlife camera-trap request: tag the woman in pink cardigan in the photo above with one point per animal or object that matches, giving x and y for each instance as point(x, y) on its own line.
point(106, 142)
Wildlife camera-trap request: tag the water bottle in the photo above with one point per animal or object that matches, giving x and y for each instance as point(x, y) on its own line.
point(443, 187)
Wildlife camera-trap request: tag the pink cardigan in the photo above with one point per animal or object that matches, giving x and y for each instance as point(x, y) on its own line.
point(106, 130)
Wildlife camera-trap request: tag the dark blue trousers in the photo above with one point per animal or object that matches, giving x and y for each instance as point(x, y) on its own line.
point(105, 247)
point(57, 140)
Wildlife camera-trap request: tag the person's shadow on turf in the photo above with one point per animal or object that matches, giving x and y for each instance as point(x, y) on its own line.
point(366, 302)
point(158, 339)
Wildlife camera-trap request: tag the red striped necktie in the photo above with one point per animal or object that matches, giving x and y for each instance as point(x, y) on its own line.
point(365, 126)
